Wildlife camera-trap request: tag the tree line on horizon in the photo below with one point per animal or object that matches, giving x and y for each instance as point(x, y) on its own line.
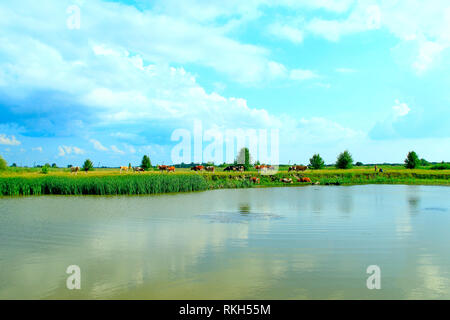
point(344, 161)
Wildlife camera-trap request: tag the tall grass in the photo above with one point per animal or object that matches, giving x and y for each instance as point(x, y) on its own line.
point(109, 185)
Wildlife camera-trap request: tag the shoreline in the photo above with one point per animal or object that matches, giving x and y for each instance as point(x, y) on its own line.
point(156, 183)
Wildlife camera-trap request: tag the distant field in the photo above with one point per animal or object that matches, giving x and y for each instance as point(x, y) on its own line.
point(98, 172)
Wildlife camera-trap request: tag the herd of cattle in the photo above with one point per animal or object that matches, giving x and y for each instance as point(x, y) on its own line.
point(165, 168)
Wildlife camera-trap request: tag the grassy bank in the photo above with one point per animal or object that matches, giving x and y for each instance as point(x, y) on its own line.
point(106, 185)
point(111, 182)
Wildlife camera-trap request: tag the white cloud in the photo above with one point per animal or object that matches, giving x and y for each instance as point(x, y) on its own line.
point(300, 74)
point(400, 109)
point(37, 149)
point(98, 145)
point(425, 24)
point(286, 32)
point(116, 150)
point(66, 150)
point(12, 141)
point(428, 51)
point(363, 18)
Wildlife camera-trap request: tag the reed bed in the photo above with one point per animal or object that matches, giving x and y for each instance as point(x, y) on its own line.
point(110, 182)
point(106, 185)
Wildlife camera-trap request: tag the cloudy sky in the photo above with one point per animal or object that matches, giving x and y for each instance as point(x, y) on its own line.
point(369, 76)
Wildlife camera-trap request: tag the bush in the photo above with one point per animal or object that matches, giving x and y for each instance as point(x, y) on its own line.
point(87, 165)
point(316, 162)
point(344, 160)
point(412, 160)
point(3, 163)
point(146, 163)
point(359, 164)
point(44, 169)
point(441, 166)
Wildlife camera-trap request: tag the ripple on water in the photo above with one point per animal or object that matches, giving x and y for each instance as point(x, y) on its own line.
point(438, 209)
point(238, 216)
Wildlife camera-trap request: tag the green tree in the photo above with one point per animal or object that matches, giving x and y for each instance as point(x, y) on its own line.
point(44, 169)
point(359, 164)
point(3, 163)
point(244, 158)
point(14, 165)
point(344, 160)
point(316, 162)
point(47, 165)
point(87, 165)
point(146, 163)
point(412, 160)
point(424, 162)
point(54, 165)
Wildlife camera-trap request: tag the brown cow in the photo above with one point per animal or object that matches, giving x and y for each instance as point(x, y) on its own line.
point(138, 169)
point(210, 168)
point(198, 168)
point(254, 179)
point(170, 169)
point(123, 168)
point(286, 180)
point(162, 168)
point(297, 168)
point(304, 179)
point(74, 170)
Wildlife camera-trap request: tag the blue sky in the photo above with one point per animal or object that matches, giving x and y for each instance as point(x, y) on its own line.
point(368, 76)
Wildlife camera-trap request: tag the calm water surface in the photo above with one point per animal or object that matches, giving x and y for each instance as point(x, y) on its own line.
point(276, 243)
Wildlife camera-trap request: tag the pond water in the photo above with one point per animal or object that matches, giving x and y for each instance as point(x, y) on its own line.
point(271, 243)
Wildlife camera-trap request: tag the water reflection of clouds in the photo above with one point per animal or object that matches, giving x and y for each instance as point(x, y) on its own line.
point(150, 248)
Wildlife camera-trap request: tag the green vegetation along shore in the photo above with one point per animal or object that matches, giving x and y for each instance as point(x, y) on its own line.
point(111, 182)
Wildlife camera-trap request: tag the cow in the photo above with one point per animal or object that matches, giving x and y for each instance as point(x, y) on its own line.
point(254, 180)
point(123, 168)
point(74, 170)
point(170, 169)
point(198, 168)
point(286, 180)
point(235, 168)
point(138, 169)
point(210, 168)
point(162, 168)
point(297, 168)
point(304, 179)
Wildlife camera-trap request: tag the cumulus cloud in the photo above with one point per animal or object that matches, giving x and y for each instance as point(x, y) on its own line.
point(391, 126)
point(116, 150)
point(67, 150)
point(98, 145)
point(400, 109)
point(9, 141)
